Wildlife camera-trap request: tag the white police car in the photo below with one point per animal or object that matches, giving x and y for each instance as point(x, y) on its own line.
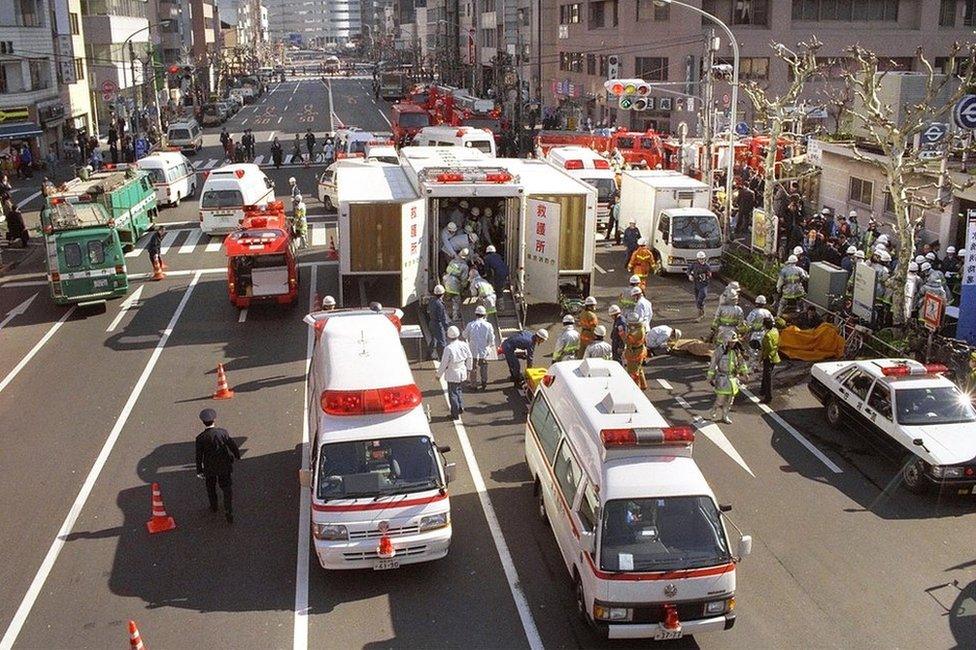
point(910, 411)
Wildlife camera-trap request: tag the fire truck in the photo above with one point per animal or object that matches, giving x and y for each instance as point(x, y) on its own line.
point(452, 106)
point(407, 119)
point(261, 265)
point(636, 147)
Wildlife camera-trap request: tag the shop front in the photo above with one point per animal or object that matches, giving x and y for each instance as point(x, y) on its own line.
point(18, 127)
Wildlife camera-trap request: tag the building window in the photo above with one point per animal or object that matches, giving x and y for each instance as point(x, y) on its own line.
point(647, 10)
point(889, 206)
point(79, 69)
point(28, 13)
point(847, 10)
point(750, 67)
point(602, 14)
point(569, 14)
point(604, 66)
point(947, 13)
point(591, 64)
point(861, 191)
point(73, 22)
point(651, 68)
point(750, 12)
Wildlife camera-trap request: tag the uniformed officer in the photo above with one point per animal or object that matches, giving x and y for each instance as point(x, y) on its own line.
point(599, 348)
point(216, 452)
point(568, 341)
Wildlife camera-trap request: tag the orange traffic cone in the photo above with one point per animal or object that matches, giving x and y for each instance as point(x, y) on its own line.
point(158, 271)
point(135, 639)
point(162, 264)
point(160, 522)
point(223, 392)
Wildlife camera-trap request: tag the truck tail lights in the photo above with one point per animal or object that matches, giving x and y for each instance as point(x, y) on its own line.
point(601, 164)
point(381, 400)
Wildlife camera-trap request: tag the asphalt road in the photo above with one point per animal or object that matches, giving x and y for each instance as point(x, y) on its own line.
point(96, 405)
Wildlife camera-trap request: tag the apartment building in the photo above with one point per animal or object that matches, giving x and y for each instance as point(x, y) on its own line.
point(667, 43)
point(252, 24)
point(72, 112)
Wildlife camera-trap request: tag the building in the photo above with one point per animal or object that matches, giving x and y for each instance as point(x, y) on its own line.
point(73, 111)
point(579, 38)
point(315, 23)
point(252, 24)
point(204, 29)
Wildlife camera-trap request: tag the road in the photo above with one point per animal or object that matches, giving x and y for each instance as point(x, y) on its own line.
point(843, 557)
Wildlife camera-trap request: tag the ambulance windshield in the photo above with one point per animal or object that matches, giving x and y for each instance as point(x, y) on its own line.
point(662, 534)
point(372, 468)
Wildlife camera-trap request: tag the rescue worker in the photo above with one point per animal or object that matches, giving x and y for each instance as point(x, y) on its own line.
point(882, 289)
point(618, 330)
point(568, 341)
point(854, 226)
point(642, 262)
point(328, 303)
point(951, 264)
point(588, 320)
point(276, 153)
point(630, 238)
point(754, 324)
point(479, 225)
point(626, 301)
point(438, 322)
point(482, 290)
point(456, 363)
point(729, 315)
point(769, 353)
point(913, 285)
point(847, 262)
point(635, 350)
point(480, 336)
point(858, 259)
point(724, 372)
point(700, 274)
point(933, 259)
point(659, 339)
point(293, 187)
point(447, 235)
point(521, 344)
point(790, 285)
point(216, 452)
point(300, 224)
point(642, 307)
point(454, 280)
point(599, 349)
point(497, 270)
point(870, 236)
point(459, 215)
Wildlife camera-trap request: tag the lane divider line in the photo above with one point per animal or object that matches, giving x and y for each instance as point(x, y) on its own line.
point(34, 350)
point(242, 316)
point(599, 268)
point(126, 305)
point(20, 617)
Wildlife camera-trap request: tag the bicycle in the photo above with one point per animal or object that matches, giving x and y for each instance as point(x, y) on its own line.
point(853, 332)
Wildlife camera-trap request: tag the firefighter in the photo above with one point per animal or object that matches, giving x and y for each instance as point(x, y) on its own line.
point(858, 259)
point(626, 300)
point(599, 348)
point(729, 315)
point(482, 290)
point(724, 372)
point(588, 320)
point(790, 285)
point(753, 326)
point(642, 262)
point(635, 350)
point(568, 342)
point(454, 281)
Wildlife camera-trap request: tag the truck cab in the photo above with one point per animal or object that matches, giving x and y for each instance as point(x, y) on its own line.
point(407, 120)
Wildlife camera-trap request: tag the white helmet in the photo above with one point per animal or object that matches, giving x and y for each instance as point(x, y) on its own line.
point(636, 291)
point(439, 290)
point(926, 267)
point(913, 267)
point(676, 333)
point(463, 203)
point(824, 211)
point(464, 252)
point(614, 310)
point(884, 256)
point(328, 301)
point(451, 226)
point(480, 311)
point(453, 332)
point(590, 301)
point(473, 237)
point(734, 285)
point(798, 250)
point(701, 255)
point(951, 250)
point(600, 331)
point(635, 279)
point(930, 256)
point(760, 300)
point(490, 249)
point(883, 238)
point(919, 259)
point(292, 181)
point(475, 211)
point(569, 320)
point(851, 250)
point(642, 241)
point(859, 255)
point(852, 214)
point(298, 198)
point(792, 259)
point(542, 334)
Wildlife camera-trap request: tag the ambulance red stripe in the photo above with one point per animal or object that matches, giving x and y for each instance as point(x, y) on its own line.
point(383, 505)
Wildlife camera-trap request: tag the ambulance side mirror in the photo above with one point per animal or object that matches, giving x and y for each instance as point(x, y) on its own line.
point(587, 542)
point(745, 546)
point(450, 472)
point(305, 478)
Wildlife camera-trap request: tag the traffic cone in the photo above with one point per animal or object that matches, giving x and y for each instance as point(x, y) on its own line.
point(223, 392)
point(135, 639)
point(158, 271)
point(160, 522)
point(162, 264)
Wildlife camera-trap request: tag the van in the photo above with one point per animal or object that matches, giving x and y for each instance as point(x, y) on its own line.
point(171, 174)
point(636, 525)
point(592, 168)
point(377, 476)
point(227, 191)
point(187, 135)
point(456, 136)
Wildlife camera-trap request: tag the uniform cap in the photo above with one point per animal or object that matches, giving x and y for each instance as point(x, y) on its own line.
point(797, 250)
point(292, 181)
point(568, 319)
point(480, 311)
point(791, 259)
point(439, 290)
point(453, 332)
point(636, 291)
point(328, 301)
point(642, 242)
point(590, 301)
point(859, 255)
point(542, 334)
point(490, 249)
point(701, 255)
point(451, 227)
point(760, 300)
point(635, 279)
point(208, 415)
point(298, 198)
point(614, 310)
point(951, 250)
point(600, 330)
point(852, 213)
point(825, 211)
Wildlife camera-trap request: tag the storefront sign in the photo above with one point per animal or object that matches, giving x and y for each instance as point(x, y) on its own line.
point(864, 283)
point(14, 114)
point(966, 329)
point(764, 232)
point(52, 112)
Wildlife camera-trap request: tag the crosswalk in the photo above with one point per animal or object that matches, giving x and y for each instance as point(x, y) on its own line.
point(260, 160)
point(189, 240)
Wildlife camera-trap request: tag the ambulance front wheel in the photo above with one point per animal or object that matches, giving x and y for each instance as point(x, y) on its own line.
point(543, 517)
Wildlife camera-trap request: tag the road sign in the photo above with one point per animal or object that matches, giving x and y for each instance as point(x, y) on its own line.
point(108, 96)
point(965, 112)
point(742, 128)
point(109, 86)
point(933, 307)
point(935, 132)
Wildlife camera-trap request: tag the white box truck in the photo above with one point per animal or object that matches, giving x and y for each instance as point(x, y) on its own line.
point(672, 213)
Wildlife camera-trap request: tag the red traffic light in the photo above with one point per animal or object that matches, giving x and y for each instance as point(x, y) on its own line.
point(173, 69)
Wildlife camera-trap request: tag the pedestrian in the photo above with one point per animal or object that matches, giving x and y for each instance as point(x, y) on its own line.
point(456, 363)
point(437, 322)
point(250, 145)
point(310, 145)
point(588, 321)
point(224, 138)
point(724, 372)
point(630, 238)
point(296, 150)
point(216, 452)
point(239, 152)
point(700, 274)
point(154, 248)
point(613, 214)
point(599, 348)
point(27, 161)
point(276, 153)
point(480, 336)
point(617, 332)
point(16, 226)
point(521, 344)
point(745, 203)
point(568, 341)
point(770, 357)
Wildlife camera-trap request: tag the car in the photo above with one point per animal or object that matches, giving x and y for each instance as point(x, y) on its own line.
point(910, 412)
point(235, 100)
point(229, 107)
point(213, 114)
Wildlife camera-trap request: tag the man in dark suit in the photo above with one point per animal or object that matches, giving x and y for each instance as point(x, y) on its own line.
point(216, 452)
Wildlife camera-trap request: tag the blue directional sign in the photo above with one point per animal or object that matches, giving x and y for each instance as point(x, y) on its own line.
point(934, 132)
point(742, 128)
point(965, 112)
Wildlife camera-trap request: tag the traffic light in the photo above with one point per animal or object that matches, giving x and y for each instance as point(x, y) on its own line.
point(632, 94)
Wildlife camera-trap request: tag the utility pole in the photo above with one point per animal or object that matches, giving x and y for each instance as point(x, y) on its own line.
point(708, 63)
point(135, 96)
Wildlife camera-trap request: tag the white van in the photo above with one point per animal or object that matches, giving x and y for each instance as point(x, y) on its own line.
point(171, 174)
point(590, 167)
point(227, 191)
point(328, 184)
point(378, 479)
point(187, 135)
point(456, 136)
point(637, 525)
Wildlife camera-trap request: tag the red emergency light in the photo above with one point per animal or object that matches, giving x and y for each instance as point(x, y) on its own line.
point(498, 177)
point(450, 177)
point(573, 164)
point(601, 164)
point(381, 400)
point(385, 549)
point(905, 370)
point(459, 133)
point(173, 69)
point(667, 436)
point(57, 201)
point(671, 621)
point(239, 173)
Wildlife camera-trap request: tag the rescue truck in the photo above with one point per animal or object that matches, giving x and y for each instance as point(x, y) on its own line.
point(406, 119)
point(635, 522)
point(377, 477)
point(261, 265)
point(590, 167)
point(644, 148)
point(672, 213)
point(546, 140)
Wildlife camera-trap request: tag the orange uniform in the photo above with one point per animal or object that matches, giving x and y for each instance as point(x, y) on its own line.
point(642, 264)
point(635, 352)
point(588, 320)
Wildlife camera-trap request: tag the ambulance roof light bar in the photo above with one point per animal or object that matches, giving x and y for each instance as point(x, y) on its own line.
point(681, 436)
point(913, 369)
point(468, 175)
point(393, 399)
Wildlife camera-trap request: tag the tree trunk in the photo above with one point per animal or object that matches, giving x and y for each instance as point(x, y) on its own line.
point(775, 129)
point(905, 232)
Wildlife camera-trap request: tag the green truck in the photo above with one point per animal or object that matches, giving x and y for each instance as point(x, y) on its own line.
point(88, 224)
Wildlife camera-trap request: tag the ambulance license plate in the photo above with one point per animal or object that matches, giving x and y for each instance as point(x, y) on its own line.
point(667, 635)
point(101, 284)
point(383, 565)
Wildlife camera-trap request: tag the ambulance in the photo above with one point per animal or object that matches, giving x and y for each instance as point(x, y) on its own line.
point(635, 522)
point(227, 191)
point(456, 136)
point(378, 478)
point(592, 168)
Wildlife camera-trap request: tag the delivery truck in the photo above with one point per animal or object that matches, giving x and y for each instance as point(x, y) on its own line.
point(672, 213)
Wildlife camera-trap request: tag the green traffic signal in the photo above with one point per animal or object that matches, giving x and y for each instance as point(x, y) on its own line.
point(626, 103)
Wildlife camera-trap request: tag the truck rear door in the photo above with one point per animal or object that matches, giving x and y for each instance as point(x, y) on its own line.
point(541, 240)
point(414, 257)
point(86, 265)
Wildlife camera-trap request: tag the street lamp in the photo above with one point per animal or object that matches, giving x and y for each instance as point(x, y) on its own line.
point(730, 163)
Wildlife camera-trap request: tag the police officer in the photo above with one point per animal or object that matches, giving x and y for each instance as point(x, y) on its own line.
point(700, 273)
point(438, 321)
point(599, 348)
point(216, 452)
point(568, 341)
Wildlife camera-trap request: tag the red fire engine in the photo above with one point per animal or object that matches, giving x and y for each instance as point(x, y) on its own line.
point(407, 119)
point(261, 264)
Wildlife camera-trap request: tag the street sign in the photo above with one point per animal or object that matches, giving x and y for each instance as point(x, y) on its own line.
point(935, 132)
point(965, 112)
point(966, 328)
point(933, 307)
point(108, 96)
point(742, 128)
point(109, 86)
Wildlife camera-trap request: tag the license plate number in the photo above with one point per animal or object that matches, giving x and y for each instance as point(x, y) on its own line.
point(667, 635)
point(384, 565)
point(101, 284)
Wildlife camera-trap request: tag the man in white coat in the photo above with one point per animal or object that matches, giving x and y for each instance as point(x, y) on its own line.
point(456, 363)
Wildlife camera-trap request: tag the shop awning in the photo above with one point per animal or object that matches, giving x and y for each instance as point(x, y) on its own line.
point(19, 130)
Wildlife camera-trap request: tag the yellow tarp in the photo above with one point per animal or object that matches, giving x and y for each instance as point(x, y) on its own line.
point(819, 344)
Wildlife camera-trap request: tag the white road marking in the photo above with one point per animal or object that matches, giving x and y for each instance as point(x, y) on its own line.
point(666, 385)
point(244, 121)
point(242, 316)
point(19, 310)
point(10, 636)
point(793, 432)
point(598, 268)
point(319, 235)
point(258, 159)
point(216, 241)
point(300, 636)
point(168, 240)
point(279, 120)
point(191, 241)
point(34, 350)
point(211, 163)
point(126, 305)
point(25, 283)
point(139, 246)
point(28, 199)
point(296, 87)
point(328, 86)
point(385, 118)
point(714, 433)
point(271, 135)
point(197, 163)
point(682, 401)
point(287, 159)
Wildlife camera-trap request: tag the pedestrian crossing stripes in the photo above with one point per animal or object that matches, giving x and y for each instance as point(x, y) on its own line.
point(167, 242)
point(260, 160)
point(189, 240)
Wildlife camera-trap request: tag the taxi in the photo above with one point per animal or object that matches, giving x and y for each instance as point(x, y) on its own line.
point(910, 412)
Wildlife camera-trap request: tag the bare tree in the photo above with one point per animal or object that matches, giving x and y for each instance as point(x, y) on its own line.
point(775, 111)
point(892, 132)
point(839, 99)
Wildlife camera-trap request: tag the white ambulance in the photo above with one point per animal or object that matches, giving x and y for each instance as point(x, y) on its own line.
point(636, 523)
point(227, 191)
point(590, 167)
point(456, 136)
point(378, 479)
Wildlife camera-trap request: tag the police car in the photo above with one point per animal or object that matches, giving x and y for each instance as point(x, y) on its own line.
point(910, 411)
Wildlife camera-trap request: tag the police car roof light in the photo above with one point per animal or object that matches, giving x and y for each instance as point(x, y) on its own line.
point(910, 369)
point(393, 399)
point(395, 320)
point(548, 380)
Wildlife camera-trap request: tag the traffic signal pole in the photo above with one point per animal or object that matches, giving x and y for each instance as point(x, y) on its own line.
point(711, 45)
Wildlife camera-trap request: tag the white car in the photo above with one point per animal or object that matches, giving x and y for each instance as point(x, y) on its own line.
point(910, 411)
